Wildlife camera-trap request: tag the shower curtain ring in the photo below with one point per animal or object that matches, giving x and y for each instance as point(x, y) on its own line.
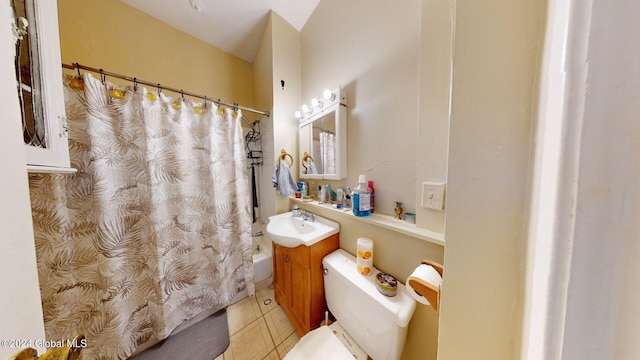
point(205, 101)
point(159, 89)
point(78, 68)
point(182, 94)
point(103, 77)
point(135, 84)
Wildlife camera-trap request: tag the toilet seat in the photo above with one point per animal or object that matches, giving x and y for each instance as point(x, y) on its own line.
point(319, 344)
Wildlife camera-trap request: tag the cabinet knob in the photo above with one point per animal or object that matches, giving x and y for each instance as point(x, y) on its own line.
point(285, 258)
point(325, 271)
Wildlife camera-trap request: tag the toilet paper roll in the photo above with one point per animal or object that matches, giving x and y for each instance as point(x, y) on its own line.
point(365, 267)
point(364, 249)
point(427, 274)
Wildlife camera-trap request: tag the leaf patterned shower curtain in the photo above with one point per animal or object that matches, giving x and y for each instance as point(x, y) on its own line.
point(153, 229)
point(328, 146)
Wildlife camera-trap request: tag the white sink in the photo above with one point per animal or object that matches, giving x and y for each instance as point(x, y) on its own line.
point(290, 231)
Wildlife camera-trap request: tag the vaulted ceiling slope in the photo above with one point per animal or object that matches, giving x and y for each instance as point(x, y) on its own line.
point(234, 26)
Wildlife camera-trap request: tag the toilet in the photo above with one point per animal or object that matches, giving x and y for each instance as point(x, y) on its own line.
point(368, 323)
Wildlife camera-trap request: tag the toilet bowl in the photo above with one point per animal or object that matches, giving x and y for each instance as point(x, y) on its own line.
point(326, 342)
point(369, 323)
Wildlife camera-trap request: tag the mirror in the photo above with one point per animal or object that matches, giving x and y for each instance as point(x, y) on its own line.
point(323, 144)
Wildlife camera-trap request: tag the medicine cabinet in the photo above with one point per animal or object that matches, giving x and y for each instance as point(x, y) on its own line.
point(323, 137)
point(39, 85)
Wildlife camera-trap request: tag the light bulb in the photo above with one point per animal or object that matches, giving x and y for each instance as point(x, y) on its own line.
point(329, 95)
point(306, 109)
point(316, 103)
point(298, 115)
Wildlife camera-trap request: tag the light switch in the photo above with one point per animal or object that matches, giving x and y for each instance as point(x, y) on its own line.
point(433, 195)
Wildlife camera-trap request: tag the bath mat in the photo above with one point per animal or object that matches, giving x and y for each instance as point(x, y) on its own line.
point(204, 340)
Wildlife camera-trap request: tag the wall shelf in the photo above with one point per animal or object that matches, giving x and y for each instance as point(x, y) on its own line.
point(50, 169)
point(384, 221)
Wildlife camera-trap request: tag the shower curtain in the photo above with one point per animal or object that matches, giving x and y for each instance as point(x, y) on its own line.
point(155, 226)
point(328, 146)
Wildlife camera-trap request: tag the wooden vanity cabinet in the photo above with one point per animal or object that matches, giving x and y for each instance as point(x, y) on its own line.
point(299, 284)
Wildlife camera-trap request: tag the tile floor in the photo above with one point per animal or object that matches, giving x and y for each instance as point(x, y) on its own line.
point(259, 329)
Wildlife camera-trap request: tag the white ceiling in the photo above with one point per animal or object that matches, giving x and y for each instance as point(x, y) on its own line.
point(234, 26)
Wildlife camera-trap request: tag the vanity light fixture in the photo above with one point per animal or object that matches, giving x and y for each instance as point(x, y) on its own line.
point(328, 122)
point(320, 104)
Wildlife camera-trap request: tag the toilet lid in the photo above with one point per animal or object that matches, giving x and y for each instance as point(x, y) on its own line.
point(319, 344)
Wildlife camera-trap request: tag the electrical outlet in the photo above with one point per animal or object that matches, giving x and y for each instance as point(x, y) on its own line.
point(433, 195)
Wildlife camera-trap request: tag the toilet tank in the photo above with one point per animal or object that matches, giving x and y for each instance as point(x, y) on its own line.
point(376, 322)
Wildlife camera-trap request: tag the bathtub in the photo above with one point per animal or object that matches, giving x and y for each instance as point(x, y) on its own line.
point(262, 262)
point(262, 258)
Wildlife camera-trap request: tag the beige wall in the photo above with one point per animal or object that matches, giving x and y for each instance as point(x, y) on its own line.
point(277, 58)
point(111, 35)
point(286, 66)
point(435, 90)
point(20, 308)
point(263, 87)
point(495, 75)
point(372, 49)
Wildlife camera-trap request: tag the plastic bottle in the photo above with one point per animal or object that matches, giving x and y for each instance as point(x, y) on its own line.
point(330, 193)
point(370, 186)
point(361, 198)
point(304, 189)
point(322, 194)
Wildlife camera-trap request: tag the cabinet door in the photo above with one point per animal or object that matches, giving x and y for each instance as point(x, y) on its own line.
point(39, 86)
point(282, 278)
point(301, 294)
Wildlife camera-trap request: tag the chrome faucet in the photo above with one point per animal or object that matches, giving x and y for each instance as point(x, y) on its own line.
point(307, 216)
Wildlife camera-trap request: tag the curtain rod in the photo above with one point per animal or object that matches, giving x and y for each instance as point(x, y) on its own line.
point(77, 66)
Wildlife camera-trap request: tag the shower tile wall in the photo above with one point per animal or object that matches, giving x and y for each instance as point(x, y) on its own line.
point(259, 329)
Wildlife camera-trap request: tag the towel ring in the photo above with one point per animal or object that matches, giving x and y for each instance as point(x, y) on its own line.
point(283, 156)
point(305, 158)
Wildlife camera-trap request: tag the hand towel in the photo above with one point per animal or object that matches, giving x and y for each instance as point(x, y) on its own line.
point(311, 168)
point(282, 180)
